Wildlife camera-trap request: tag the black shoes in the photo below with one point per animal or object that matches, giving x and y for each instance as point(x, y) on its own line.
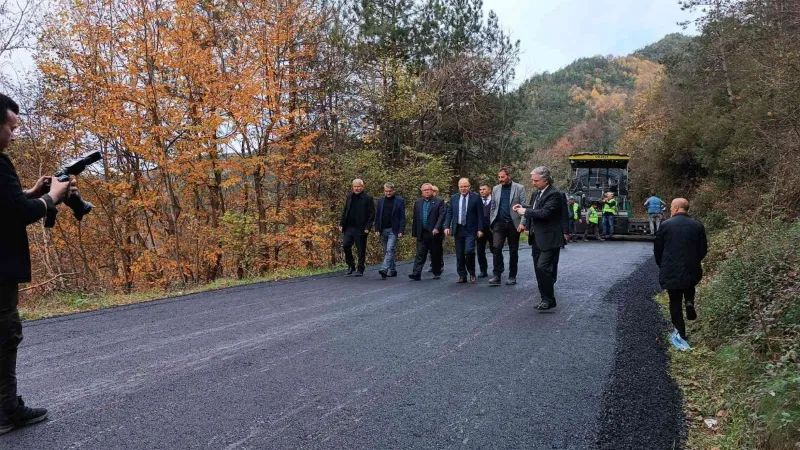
point(383, 273)
point(544, 305)
point(511, 281)
point(392, 274)
point(691, 314)
point(21, 417)
point(483, 275)
point(437, 276)
point(494, 281)
point(414, 277)
point(351, 270)
point(359, 273)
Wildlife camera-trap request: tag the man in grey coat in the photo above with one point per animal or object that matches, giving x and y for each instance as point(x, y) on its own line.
point(506, 225)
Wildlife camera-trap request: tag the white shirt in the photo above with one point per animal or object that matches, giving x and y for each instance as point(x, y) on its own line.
point(541, 193)
point(461, 202)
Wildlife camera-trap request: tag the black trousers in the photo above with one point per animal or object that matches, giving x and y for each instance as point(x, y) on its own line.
point(465, 252)
point(545, 263)
point(505, 231)
point(487, 238)
point(428, 244)
point(10, 338)
point(591, 228)
point(359, 238)
point(676, 299)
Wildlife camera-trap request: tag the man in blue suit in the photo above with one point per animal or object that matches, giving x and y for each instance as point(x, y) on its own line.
point(465, 222)
point(390, 225)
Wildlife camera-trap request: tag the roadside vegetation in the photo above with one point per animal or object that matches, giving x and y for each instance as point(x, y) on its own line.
point(722, 128)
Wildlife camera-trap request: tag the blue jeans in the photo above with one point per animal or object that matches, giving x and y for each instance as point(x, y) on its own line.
point(608, 224)
point(389, 241)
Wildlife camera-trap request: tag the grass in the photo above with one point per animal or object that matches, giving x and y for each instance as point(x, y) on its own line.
point(743, 371)
point(59, 304)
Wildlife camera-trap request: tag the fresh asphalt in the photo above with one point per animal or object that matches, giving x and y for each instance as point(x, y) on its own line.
point(336, 362)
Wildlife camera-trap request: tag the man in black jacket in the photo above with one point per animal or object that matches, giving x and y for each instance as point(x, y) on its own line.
point(679, 248)
point(486, 199)
point(545, 218)
point(19, 208)
point(426, 226)
point(357, 219)
point(390, 225)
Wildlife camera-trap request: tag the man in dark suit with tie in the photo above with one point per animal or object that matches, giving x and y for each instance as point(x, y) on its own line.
point(427, 224)
point(545, 219)
point(486, 198)
point(465, 222)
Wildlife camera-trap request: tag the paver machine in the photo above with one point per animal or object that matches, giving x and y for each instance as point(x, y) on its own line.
point(592, 175)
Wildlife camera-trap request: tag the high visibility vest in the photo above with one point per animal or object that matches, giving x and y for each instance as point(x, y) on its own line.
point(610, 206)
point(576, 211)
point(592, 215)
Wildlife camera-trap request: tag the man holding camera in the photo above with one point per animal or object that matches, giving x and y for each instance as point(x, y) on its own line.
point(19, 208)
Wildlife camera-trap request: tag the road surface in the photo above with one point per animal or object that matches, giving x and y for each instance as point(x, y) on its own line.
point(334, 362)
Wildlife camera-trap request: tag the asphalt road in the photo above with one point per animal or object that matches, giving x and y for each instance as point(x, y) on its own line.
point(336, 362)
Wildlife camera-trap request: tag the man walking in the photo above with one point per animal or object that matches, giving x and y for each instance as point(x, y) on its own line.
point(593, 222)
point(609, 213)
point(465, 221)
point(357, 219)
point(679, 248)
point(654, 206)
point(390, 225)
point(486, 198)
point(19, 209)
point(426, 226)
point(574, 210)
point(506, 225)
point(440, 237)
point(544, 221)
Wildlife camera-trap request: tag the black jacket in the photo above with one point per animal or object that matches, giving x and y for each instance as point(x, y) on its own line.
point(366, 217)
point(436, 216)
point(679, 248)
point(474, 219)
point(17, 211)
point(546, 222)
point(398, 224)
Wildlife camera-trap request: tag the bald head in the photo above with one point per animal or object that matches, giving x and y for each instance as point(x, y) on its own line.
point(679, 205)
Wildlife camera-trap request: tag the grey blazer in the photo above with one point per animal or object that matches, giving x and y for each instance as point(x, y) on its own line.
point(517, 197)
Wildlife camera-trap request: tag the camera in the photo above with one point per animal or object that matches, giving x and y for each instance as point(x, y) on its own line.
point(78, 205)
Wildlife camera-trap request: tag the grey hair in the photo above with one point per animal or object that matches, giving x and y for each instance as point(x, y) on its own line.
point(389, 185)
point(358, 181)
point(543, 172)
point(425, 184)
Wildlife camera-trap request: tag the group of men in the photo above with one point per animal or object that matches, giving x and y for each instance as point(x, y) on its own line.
point(493, 217)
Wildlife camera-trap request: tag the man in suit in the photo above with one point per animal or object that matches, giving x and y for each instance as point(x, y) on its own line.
point(506, 225)
point(679, 248)
point(486, 198)
point(426, 226)
point(357, 219)
point(390, 225)
point(19, 208)
point(465, 221)
point(440, 237)
point(545, 220)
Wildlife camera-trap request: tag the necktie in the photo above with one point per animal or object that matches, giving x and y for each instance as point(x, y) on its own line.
point(536, 200)
point(463, 219)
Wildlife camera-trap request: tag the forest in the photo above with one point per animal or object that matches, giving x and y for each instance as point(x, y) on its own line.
point(231, 130)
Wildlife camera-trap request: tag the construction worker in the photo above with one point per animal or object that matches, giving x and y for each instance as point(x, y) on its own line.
point(592, 221)
point(574, 217)
point(609, 213)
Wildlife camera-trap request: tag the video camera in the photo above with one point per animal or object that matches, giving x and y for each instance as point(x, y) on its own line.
point(79, 206)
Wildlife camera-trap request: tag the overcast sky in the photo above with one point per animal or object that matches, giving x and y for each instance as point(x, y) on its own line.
point(553, 33)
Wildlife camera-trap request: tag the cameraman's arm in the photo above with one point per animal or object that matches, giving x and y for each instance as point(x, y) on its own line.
point(14, 203)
